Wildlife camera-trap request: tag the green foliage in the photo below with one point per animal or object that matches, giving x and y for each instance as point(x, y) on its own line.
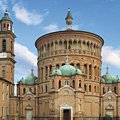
point(107, 117)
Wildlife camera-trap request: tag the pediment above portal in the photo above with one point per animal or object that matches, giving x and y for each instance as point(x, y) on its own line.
point(109, 96)
point(66, 91)
point(28, 96)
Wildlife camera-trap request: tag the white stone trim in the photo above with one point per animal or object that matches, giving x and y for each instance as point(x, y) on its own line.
point(65, 106)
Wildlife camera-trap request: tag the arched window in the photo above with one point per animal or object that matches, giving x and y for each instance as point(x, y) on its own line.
point(50, 68)
point(115, 90)
point(90, 71)
point(4, 25)
point(3, 73)
point(56, 45)
point(65, 44)
point(63, 64)
point(57, 66)
point(78, 65)
point(95, 89)
point(79, 83)
point(66, 82)
point(60, 44)
point(8, 28)
point(73, 83)
point(2, 96)
point(2, 110)
point(89, 88)
point(70, 44)
point(24, 91)
point(85, 87)
point(4, 45)
point(59, 83)
point(30, 89)
point(95, 72)
point(72, 64)
point(46, 88)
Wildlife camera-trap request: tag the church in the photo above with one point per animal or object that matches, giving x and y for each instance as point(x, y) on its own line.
point(69, 85)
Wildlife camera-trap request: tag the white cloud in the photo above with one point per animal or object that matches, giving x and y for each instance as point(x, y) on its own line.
point(111, 56)
point(51, 28)
point(25, 61)
point(26, 16)
point(3, 5)
point(54, 27)
point(24, 53)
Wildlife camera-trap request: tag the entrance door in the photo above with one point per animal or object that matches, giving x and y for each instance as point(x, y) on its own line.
point(28, 115)
point(110, 113)
point(66, 114)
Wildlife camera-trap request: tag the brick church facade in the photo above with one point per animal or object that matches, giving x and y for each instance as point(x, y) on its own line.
point(69, 85)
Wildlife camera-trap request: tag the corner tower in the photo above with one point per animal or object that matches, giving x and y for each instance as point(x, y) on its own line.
point(7, 38)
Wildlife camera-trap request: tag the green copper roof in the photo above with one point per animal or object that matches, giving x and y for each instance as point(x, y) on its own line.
point(56, 72)
point(29, 80)
point(108, 78)
point(67, 71)
point(78, 71)
point(69, 15)
point(6, 16)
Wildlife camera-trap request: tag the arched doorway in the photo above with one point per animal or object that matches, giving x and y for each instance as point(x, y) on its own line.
point(109, 110)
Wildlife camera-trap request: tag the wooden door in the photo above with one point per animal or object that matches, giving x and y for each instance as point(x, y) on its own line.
point(66, 114)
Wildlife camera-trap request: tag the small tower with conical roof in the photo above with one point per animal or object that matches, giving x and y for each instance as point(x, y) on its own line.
point(69, 19)
point(6, 22)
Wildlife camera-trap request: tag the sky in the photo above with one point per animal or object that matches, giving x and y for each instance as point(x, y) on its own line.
point(34, 18)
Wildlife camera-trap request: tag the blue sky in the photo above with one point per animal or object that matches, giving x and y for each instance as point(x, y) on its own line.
point(33, 18)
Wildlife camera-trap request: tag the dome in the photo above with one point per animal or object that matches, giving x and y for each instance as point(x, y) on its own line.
point(102, 80)
point(107, 77)
point(29, 80)
point(6, 16)
point(118, 80)
point(67, 70)
point(78, 71)
point(115, 79)
point(56, 72)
